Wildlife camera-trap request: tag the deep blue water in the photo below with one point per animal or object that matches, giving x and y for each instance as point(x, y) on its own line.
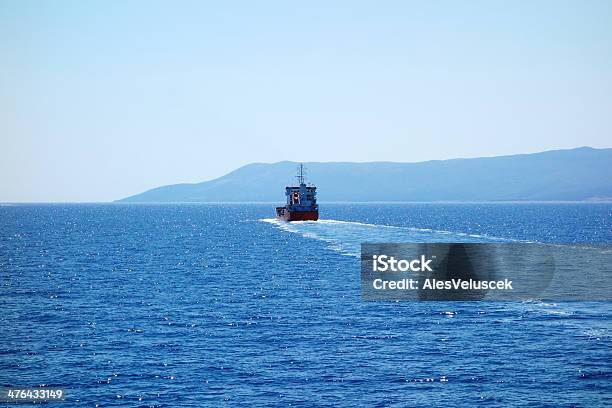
point(189, 305)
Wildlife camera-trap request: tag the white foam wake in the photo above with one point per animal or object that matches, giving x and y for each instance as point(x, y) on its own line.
point(347, 236)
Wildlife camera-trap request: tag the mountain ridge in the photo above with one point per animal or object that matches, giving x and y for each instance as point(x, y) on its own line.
point(577, 174)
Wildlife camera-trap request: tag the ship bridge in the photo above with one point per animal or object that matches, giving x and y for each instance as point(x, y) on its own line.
point(302, 197)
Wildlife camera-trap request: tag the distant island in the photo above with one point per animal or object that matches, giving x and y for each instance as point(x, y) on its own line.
point(559, 175)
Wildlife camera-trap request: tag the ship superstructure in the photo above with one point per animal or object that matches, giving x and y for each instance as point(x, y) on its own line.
point(301, 201)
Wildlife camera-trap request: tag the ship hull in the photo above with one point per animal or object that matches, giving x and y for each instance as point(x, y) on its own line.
point(297, 215)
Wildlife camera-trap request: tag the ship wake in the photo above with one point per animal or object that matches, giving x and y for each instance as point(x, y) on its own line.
point(346, 236)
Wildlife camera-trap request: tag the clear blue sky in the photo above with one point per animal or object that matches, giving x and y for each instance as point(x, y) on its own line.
point(100, 100)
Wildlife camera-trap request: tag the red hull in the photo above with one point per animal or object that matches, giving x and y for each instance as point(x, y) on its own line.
point(299, 216)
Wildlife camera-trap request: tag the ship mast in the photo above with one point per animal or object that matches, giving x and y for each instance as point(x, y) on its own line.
point(300, 175)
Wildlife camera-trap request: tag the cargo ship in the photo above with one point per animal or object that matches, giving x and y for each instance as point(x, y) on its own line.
point(301, 201)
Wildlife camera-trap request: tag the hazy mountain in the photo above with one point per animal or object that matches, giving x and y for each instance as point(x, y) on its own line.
point(577, 174)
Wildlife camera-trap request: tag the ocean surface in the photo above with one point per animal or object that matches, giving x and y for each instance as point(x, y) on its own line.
point(207, 305)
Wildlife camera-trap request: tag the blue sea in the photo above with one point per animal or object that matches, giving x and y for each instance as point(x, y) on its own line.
point(180, 305)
